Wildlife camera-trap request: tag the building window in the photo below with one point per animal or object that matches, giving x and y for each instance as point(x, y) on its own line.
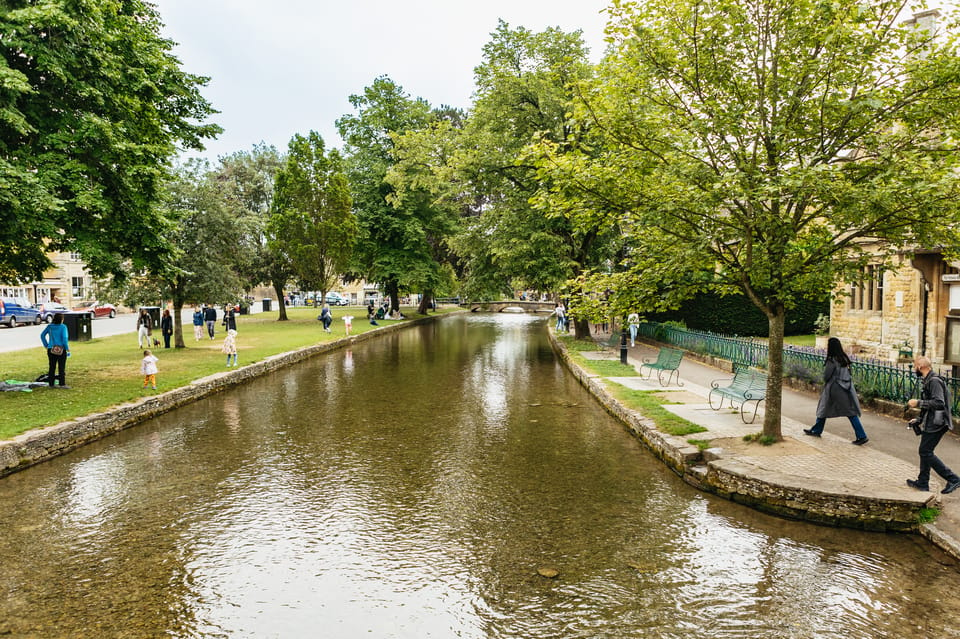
point(75, 257)
point(76, 287)
point(866, 293)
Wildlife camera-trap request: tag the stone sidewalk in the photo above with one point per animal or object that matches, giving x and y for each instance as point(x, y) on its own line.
point(824, 479)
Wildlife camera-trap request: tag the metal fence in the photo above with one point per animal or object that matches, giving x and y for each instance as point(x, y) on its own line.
point(873, 378)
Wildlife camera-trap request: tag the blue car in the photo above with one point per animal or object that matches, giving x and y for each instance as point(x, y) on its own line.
point(17, 310)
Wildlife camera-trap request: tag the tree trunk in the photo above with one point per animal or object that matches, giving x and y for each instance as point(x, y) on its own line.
point(581, 328)
point(278, 289)
point(177, 324)
point(393, 292)
point(424, 307)
point(774, 400)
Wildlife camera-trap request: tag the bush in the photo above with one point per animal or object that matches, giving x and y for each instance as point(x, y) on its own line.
point(736, 315)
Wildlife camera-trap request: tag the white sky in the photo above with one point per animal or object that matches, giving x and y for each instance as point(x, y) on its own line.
point(288, 66)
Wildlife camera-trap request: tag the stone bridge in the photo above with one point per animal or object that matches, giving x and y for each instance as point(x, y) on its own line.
point(497, 307)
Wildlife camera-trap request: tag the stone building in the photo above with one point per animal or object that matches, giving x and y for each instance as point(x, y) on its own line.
point(911, 308)
point(67, 281)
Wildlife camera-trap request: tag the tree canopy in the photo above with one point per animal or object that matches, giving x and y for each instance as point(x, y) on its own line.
point(92, 107)
point(756, 146)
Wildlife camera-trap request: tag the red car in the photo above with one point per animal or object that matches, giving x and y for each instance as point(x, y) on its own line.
point(98, 309)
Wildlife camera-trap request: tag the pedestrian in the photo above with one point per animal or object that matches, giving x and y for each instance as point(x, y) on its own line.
point(230, 346)
point(144, 328)
point(56, 340)
point(560, 312)
point(210, 318)
point(348, 323)
point(230, 318)
point(148, 366)
point(838, 397)
point(931, 425)
point(326, 317)
point(166, 327)
point(197, 323)
point(633, 320)
point(370, 310)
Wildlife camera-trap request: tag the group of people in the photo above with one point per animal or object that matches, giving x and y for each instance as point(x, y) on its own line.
point(838, 398)
point(206, 315)
point(326, 318)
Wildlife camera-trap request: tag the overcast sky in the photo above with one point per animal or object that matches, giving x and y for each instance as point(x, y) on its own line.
point(289, 66)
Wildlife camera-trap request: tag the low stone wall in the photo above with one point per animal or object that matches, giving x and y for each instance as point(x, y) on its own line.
point(42, 444)
point(774, 493)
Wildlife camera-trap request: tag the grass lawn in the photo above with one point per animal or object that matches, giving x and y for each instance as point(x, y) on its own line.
point(105, 372)
point(801, 340)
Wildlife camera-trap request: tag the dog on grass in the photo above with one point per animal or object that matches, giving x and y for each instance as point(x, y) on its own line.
point(156, 342)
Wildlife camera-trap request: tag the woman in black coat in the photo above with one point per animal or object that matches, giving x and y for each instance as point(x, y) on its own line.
point(166, 327)
point(839, 397)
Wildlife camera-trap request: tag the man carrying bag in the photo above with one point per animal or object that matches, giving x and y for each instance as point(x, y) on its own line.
point(931, 425)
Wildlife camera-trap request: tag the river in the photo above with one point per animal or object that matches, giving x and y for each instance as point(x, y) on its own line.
point(412, 486)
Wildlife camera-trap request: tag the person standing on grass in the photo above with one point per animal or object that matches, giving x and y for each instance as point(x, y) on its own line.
point(210, 318)
point(348, 323)
point(931, 425)
point(166, 327)
point(144, 328)
point(56, 339)
point(229, 317)
point(839, 397)
point(148, 366)
point(230, 346)
point(326, 317)
point(197, 324)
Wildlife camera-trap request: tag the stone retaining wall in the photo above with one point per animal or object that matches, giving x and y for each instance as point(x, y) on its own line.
point(39, 445)
point(774, 493)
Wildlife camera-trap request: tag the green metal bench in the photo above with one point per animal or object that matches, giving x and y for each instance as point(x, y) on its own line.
point(748, 385)
point(668, 360)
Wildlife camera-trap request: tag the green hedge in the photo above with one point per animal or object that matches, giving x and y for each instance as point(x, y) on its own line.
point(736, 315)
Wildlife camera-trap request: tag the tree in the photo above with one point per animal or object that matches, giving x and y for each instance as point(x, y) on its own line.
point(524, 88)
point(312, 221)
point(755, 146)
point(92, 107)
point(249, 178)
point(205, 235)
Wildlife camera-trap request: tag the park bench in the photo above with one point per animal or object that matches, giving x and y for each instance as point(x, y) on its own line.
point(748, 385)
point(668, 360)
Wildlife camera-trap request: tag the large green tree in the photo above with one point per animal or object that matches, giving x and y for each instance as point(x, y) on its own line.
point(757, 145)
point(396, 244)
point(524, 88)
point(92, 107)
point(313, 222)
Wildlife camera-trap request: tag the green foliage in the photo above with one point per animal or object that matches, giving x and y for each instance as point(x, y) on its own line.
point(821, 326)
point(312, 223)
point(93, 105)
point(650, 404)
point(765, 440)
point(753, 147)
point(927, 515)
point(734, 314)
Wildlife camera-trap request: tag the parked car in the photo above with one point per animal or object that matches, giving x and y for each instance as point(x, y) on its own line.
point(99, 309)
point(17, 310)
point(336, 299)
point(48, 309)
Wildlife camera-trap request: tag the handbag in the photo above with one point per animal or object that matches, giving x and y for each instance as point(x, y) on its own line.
point(56, 349)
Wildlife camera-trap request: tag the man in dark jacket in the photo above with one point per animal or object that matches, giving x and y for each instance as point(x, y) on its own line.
point(932, 424)
point(210, 317)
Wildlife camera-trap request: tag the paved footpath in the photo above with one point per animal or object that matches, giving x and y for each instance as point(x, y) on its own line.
point(877, 469)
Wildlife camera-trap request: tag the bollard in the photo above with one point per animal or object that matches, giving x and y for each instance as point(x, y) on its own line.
point(623, 345)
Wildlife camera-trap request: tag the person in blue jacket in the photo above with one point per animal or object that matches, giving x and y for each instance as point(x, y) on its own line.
point(56, 340)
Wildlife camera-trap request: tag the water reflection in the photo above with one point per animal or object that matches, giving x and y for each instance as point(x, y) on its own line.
point(410, 487)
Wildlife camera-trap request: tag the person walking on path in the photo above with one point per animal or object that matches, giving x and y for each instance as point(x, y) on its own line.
point(166, 327)
point(197, 324)
point(839, 397)
point(633, 320)
point(229, 318)
point(148, 366)
point(230, 346)
point(560, 312)
point(210, 317)
point(144, 328)
point(931, 425)
point(56, 340)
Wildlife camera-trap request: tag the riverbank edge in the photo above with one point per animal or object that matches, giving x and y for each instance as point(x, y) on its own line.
point(769, 492)
point(39, 445)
